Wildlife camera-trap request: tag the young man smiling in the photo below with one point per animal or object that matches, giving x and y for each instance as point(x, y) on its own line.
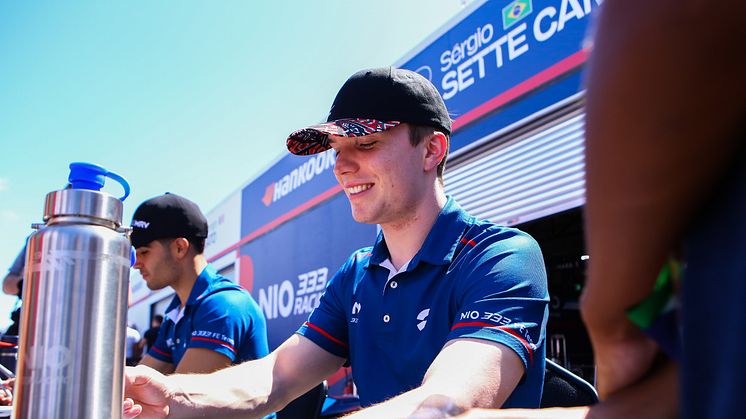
point(442, 303)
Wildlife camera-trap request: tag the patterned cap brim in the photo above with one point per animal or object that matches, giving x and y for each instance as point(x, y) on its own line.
point(315, 138)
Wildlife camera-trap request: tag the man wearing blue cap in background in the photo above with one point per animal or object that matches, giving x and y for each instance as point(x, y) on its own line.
point(211, 322)
point(442, 304)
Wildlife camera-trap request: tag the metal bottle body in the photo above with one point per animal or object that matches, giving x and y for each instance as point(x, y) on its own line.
point(71, 360)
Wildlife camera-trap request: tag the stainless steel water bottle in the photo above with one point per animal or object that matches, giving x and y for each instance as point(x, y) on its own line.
point(71, 349)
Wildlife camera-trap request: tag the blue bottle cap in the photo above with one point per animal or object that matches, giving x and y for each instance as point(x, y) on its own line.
point(92, 177)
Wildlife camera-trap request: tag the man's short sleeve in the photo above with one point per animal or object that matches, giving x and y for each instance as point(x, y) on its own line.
point(160, 349)
point(503, 293)
point(327, 324)
point(220, 323)
point(19, 263)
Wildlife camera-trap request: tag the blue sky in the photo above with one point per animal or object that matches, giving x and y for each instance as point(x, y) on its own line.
point(192, 97)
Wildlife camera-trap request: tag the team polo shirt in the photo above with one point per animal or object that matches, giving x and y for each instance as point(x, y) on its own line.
point(470, 279)
point(219, 315)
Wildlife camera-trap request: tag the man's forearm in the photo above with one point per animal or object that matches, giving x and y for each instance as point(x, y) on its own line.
point(421, 400)
point(398, 407)
point(467, 373)
point(244, 390)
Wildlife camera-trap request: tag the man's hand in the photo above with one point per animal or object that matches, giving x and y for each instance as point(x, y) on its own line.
point(443, 407)
point(146, 393)
point(622, 352)
point(555, 413)
point(6, 391)
point(622, 363)
point(437, 406)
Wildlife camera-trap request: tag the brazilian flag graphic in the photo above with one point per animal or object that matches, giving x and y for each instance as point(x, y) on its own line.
point(516, 11)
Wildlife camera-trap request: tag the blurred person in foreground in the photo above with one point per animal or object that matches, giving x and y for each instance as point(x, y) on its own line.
point(666, 179)
point(666, 138)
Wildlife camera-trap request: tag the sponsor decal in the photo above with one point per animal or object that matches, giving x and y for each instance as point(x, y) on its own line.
point(47, 364)
point(490, 319)
point(311, 167)
point(213, 228)
point(487, 49)
point(293, 298)
point(496, 318)
point(356, 307)
point(516, 11)
point(140, 224)
point(61, 260)
point(213, 335)
point(423, 318)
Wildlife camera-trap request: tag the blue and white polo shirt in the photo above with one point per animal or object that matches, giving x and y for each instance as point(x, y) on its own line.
point(470, 279)
point(219, 315)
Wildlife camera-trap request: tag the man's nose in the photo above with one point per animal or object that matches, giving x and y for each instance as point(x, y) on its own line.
point(345, 163)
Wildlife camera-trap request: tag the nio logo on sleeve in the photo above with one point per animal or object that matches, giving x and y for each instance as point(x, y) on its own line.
point(423, 317)
point(140, 224)
point(496, 318)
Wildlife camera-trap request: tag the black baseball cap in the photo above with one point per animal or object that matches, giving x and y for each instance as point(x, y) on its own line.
point(166, 217)
point(371, 101)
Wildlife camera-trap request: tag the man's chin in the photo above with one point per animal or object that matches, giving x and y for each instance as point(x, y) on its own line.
point(362, 219)
point(154, 287)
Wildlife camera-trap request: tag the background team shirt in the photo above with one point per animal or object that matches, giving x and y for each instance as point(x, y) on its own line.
point(470, 279)
point(19, 262)
point(220, 316)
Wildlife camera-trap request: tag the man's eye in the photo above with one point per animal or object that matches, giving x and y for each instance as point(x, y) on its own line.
point(367, 145)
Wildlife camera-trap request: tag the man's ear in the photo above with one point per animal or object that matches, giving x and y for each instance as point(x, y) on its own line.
point(180, 247)
point(436, 146)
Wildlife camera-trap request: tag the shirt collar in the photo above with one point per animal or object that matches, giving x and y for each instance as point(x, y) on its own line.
point(203, 285)
point(441, 242)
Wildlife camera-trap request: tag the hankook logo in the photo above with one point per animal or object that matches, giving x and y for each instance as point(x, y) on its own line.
point(314, 166)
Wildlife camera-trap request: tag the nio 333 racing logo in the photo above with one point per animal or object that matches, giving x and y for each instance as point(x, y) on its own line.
point(286, 299)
